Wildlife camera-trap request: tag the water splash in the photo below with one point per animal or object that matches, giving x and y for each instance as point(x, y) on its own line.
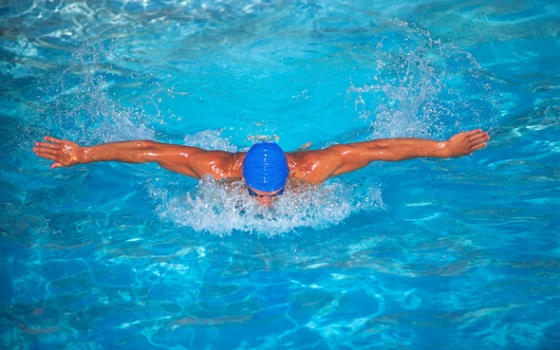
point(80, 101)
point(418, 88)
point(224, 207)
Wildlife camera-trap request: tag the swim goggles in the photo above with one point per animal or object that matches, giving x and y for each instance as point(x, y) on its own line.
point(251, 193)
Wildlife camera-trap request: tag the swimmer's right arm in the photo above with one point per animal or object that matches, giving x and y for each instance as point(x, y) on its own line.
point(190, 161)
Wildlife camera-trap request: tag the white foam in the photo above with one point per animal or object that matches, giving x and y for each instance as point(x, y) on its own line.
point(224, 207)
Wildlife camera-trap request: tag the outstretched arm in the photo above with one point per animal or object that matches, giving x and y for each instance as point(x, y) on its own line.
point(190, 161)
point(318, 166)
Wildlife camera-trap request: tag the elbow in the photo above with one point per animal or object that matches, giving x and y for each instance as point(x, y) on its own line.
point(150, 150)
point(144, 151)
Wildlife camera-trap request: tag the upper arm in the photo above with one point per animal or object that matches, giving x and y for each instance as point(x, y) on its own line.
point(193, 161)
point(317, 166)
point(344, 158)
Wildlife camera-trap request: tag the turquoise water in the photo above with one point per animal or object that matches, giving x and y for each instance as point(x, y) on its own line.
point(423, 254)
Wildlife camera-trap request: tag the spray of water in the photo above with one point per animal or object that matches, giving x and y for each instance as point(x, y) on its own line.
point(415, 89)
point(412, 94)
point(225, 207)
point(80, 101)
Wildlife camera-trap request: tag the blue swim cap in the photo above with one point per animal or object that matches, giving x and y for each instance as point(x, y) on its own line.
point(265, 167)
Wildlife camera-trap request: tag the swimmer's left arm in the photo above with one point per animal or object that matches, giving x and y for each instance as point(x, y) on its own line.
point(344, 158)
point(397, 149)
point(358, 155)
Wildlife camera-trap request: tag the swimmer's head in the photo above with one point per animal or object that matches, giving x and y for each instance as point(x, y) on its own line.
point(265, 167)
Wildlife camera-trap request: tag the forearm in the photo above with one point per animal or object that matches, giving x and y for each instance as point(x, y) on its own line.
point(398, 149)
point(138, 151)
point(459, 145)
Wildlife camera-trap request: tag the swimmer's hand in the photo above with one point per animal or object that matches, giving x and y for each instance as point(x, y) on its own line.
point(63, 153)
point(465, 143)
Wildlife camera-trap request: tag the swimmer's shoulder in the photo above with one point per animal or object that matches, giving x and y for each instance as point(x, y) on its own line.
point(309, 166)
point(235, 168)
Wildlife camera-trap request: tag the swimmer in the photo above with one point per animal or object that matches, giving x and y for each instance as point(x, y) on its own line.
point(265, 168)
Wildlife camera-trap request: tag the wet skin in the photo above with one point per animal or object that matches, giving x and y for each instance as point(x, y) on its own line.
point(310, 166)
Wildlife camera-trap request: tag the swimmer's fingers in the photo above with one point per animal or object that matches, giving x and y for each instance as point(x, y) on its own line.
point(53, 144)
point(479, 145)
point(477, 139)
point(45, 152)
point(48, 153)
point(466, 143)
point(46, 147)
point(61, 152)
point(476, 135)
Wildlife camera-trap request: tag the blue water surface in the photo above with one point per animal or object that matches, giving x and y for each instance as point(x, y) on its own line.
point(422, 254)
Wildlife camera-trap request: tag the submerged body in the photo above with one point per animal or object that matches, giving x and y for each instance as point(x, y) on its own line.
point(311, 166)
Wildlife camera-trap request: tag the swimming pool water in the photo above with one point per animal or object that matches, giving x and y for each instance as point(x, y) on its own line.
point(423, 254)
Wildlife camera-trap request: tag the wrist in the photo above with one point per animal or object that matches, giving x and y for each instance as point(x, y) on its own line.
point(443, 149)
point(83, 155)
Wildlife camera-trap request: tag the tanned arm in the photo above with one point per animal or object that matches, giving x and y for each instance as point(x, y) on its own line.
point(317, 166)
point(190, 161)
